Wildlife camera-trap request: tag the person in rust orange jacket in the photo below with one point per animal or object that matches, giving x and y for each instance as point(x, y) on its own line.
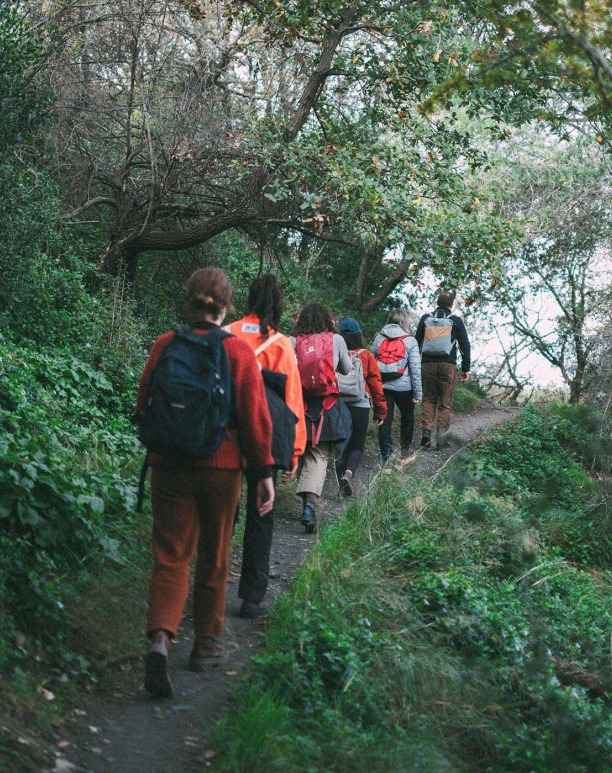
point(347, 465)
point(194, 503)
point(274, 351)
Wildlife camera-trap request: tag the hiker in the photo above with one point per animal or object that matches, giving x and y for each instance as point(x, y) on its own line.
point(397, 356)
point(320, 353)
point(194, 502)
point(362, 387)
point(276, 357)
point(439, 334)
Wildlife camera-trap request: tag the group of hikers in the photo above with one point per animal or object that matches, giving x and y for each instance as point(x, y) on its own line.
point(216, 403)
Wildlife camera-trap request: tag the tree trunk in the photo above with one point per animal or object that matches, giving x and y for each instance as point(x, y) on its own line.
point(388, 286)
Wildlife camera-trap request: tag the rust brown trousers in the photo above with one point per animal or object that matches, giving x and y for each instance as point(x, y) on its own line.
point(193, 513)
point(439, 381)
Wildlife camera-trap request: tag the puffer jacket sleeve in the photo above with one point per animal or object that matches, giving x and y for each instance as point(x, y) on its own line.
point(376, 345)
point(414, 367)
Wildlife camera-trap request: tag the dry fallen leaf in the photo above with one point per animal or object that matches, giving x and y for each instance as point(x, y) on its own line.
point(47, 694)
point(209, 754)
point(62, 764)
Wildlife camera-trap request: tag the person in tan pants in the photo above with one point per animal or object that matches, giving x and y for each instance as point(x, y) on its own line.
point(441, 335)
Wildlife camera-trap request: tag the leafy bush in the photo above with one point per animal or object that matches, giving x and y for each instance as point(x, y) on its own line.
point(64, 493)
point(441, 627)
point(467, 397)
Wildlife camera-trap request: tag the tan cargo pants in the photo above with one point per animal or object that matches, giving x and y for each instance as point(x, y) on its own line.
point(439, 381)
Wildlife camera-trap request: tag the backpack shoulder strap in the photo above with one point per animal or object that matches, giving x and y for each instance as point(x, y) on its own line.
point(267, 343)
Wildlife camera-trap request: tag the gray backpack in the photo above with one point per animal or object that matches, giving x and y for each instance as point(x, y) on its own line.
point(438, 334)
point(352, 387)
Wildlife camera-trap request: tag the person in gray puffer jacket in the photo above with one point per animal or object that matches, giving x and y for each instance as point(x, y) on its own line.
point(398, 357)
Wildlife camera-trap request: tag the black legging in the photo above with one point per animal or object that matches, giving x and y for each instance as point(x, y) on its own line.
point(256, 546)
point(403, 400)
point(353, 453)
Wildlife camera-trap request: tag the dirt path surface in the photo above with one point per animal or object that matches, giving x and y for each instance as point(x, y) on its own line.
point(125, 730)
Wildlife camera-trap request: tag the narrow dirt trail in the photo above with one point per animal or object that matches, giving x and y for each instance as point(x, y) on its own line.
point(125, 730)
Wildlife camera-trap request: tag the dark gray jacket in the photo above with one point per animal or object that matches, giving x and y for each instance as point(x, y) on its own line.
point(458, 335)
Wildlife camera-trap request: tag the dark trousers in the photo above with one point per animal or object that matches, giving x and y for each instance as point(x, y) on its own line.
point(403, 400)
point(256, 547)
point(353, 453)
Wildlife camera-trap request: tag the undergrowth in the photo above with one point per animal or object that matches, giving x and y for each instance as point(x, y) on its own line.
point(73, 555)
point(458, 623)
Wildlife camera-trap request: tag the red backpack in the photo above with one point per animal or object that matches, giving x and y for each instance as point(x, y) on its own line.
point(391, 358)
point(315, 357)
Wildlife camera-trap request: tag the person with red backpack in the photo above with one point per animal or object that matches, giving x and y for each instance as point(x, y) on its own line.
point(203, 415)
point(360, 389)
point(399, 360)
point(320, 353)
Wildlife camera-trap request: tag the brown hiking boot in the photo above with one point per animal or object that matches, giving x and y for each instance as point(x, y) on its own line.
point(207, 651)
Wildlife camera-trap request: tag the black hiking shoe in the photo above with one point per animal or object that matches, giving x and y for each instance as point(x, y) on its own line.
point(426, 439)
point(252, 610)
point(157, 668)
point(308, 519)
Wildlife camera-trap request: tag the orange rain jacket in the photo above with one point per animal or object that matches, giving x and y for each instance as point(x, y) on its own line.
point(279, 356)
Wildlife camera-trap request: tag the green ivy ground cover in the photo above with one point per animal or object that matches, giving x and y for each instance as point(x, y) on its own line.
point(455, 624)
point(65, 495)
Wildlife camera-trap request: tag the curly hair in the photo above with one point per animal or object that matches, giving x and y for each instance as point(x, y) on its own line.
point(314, 318)
point(266, 300)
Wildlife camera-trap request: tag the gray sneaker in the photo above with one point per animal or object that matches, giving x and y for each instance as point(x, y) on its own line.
point(346, 485)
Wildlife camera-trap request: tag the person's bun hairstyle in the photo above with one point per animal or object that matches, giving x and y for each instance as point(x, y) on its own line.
point(209, 293)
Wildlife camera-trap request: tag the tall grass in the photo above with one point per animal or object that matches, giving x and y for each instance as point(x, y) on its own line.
point(442, 625)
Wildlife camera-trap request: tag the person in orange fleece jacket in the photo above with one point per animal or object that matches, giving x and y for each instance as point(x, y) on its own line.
point(274, 351)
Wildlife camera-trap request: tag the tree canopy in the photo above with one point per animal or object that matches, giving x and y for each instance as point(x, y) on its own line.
point(344, 122)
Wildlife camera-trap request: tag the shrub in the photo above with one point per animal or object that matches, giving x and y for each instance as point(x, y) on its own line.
point(435, 625)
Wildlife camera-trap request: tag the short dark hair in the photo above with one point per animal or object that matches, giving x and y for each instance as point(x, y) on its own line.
point(266, 300)
point(314, 318)
point(446, 299)
point(353, 341)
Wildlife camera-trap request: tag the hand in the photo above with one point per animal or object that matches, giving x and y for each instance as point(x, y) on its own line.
point(288, 475)
point(265, 496)
point(415, 400)
point(379, 422)
point(464, 376)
